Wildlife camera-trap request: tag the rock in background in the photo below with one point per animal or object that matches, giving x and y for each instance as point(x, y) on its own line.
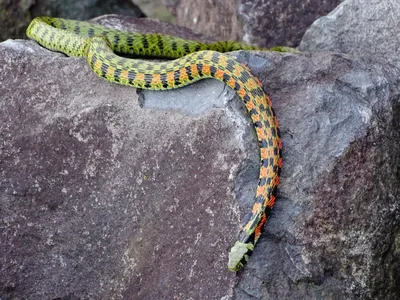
point(15, 15)
point(368, 29)
point(262, 22)
point(154, 9)
point(101, 198)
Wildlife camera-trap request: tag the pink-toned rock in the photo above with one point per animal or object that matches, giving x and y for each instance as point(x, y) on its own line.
point(103, 197)
point(263, 22)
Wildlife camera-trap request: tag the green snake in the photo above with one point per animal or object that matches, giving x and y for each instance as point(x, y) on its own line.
point(192, 61)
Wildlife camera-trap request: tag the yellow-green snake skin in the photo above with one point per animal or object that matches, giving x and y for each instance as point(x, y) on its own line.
point(193, 61)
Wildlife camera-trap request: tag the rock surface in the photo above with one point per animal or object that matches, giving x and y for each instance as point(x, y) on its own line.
point(368, 29)
point(263, 22)
point(155, 9)
point(101, 198)
point(15, 15)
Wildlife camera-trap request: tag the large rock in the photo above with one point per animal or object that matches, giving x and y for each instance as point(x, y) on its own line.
point(101, 198)
point(369, 29)
point(264, 23)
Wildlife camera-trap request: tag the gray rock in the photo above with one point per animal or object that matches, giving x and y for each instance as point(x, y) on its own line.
point(15, 15)
point(264, 23)
point(217, 19)
point(333, 232)
point(101, 198)
point(14, 18)
point(84, 10)
point(271, 23)
point(368, 29)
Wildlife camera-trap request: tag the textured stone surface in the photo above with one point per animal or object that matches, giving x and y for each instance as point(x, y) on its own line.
point(215, 18)
point(14, 18)
point(103, 199)
point(155, 9)
point(15, 15)
point(369, 29)
point(335, 230)
point(262, 22)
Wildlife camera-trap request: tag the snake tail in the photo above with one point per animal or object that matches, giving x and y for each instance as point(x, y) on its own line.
point(193, 61)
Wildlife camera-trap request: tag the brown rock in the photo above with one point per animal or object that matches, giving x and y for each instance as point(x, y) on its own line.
point(101, 198)
point(264, 23)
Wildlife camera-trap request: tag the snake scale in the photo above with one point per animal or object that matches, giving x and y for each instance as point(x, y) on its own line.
point(192, 61)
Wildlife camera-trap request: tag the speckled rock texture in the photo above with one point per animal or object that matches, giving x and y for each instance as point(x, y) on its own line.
point(264, 23)
point(366, 28)
point(107, 193)
point(15, 15)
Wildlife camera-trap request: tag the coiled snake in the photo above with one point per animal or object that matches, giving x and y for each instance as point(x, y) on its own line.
point(193, 61)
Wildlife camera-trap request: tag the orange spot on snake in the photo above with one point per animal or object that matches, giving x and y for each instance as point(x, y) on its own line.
point(280, 161)
point(264, 153)
point(256, 208)
point(193, 69)
point(237, 71)
point(183, 76)
point(251, 84)
point(156, 82)
point(124, 74)
point(171, 79)
point(219, 74)
point(261, 190)
point(280, 145)
point(269, 202)
point(250, 105)
point(241, 92)
point(140, 77)
point(97, 65)
point(257, 231)
point(231, 82)
point(206, 69)
point(222, 61)
point(268, 101)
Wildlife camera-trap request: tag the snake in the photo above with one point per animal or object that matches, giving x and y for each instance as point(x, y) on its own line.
point(109, 54)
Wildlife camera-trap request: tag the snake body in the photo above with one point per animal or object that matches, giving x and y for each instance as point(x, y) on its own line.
point(192, 61)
